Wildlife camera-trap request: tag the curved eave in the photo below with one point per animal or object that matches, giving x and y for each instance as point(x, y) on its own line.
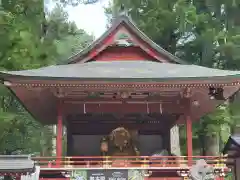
point(134, 72)
point(227, 78)
point(214, 80)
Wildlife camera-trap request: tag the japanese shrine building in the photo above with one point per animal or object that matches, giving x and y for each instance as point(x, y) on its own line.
point(123, 80)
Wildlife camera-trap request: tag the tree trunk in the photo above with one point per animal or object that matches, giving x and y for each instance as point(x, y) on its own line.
point(212, 145)
point(202, 145)
point(175, 141)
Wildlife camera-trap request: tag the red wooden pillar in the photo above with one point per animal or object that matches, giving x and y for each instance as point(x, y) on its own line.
point(59, 131)
point(189, 140)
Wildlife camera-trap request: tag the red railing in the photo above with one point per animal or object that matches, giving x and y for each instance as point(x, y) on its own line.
point(136, 162)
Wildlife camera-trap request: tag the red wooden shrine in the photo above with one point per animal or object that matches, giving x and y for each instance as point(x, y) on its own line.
point(126, 82)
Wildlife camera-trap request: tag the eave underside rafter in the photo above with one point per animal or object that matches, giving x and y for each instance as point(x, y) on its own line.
point(121, 84)
point(76, 94)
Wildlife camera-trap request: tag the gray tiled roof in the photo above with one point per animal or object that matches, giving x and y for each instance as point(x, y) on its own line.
point(236, 138)
point(233, 144)
point(16, 163)
point(123, 69)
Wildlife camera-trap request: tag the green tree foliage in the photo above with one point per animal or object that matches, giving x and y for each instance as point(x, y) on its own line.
point(30, 38)
point(67, 38)
point(19, 133)
point(202, 32)
point(21, 36)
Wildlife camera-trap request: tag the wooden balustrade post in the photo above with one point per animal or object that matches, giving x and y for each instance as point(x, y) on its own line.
point(69, 163)
point(145, 162)
point(105, 162)
point(18, 177)
point(49, 164)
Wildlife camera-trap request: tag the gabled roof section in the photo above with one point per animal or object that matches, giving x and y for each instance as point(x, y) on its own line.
point(122, 20)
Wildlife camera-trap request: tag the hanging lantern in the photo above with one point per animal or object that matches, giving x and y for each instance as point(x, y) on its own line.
point(216, 93)
point(187, 93)
point(104, 145)
point(125, 95)
point(196, 103)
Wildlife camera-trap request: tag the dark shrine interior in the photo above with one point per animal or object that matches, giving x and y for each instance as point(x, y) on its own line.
point(86, 131)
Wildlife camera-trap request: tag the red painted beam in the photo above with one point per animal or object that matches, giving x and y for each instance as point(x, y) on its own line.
point(59, 130)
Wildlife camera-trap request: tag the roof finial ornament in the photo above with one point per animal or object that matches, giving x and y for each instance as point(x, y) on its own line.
point(118, 12)
point(122, 10)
